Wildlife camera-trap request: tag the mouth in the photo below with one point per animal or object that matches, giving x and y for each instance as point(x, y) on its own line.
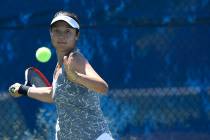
point(62, 43)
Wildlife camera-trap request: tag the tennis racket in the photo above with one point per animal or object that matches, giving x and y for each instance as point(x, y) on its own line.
point(34, 77)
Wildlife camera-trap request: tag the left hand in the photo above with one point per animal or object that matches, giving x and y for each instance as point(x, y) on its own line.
point(72, 74)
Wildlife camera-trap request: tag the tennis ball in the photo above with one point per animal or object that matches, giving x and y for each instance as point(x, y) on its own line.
point(43, 54)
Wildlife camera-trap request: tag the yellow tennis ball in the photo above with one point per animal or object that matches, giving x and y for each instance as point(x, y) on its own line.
point(43, 54)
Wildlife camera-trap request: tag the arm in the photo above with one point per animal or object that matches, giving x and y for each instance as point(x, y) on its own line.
point(80, 71)
point(43, 94)
point(92, 83)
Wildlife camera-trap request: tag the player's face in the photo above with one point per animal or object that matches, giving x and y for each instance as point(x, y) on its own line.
point(63, 37)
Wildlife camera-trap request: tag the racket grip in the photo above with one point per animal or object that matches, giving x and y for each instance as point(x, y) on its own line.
point(12, 89)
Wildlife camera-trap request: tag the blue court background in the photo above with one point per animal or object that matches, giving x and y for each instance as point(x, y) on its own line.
point(137, 46)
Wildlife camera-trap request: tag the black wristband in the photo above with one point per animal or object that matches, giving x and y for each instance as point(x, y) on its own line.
point(23, 90)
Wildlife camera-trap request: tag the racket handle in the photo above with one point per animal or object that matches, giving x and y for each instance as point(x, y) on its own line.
point(12, 90)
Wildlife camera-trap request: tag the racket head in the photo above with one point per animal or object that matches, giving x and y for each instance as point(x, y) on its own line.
point(34, 77)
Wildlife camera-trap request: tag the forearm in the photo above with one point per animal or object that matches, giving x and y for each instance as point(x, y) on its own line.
point(41, 93)
point(92, 83)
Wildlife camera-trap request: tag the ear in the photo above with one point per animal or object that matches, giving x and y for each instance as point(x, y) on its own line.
point(50, 31)
point(77, 37)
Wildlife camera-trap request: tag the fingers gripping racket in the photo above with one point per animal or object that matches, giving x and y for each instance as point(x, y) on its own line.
point(34, 77)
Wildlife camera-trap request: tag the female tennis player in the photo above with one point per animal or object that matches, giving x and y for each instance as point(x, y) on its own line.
point(76, 86)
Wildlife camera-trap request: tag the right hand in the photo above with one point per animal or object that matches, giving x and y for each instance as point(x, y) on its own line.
point(13, 90)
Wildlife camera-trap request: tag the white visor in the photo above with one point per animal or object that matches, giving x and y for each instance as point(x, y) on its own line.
point(73, 23)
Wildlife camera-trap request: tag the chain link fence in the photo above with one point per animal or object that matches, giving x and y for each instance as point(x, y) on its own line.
point(133, 114)
point(134, 44)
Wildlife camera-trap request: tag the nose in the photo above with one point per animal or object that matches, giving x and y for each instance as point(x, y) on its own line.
point(61, 34)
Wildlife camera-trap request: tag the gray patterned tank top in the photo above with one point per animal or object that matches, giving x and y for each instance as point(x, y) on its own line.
point(78, 111)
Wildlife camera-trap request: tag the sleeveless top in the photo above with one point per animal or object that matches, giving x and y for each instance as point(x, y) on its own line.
point(78, 111)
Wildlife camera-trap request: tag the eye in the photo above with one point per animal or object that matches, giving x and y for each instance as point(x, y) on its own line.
point(68, 31)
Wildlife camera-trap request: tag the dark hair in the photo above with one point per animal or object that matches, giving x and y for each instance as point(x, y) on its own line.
point(72, 15)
